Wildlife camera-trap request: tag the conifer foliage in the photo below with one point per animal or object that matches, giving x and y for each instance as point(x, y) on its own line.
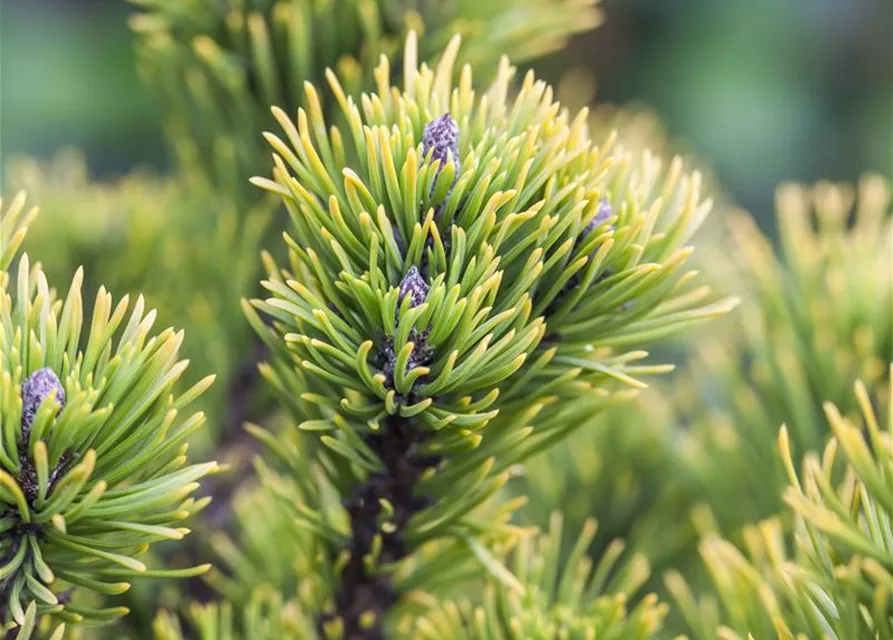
point(454, 328)
point(467, 273)
point(555, 597)
point(837, 581)
point(139, 235)
point(700, 457)
point(820, 318)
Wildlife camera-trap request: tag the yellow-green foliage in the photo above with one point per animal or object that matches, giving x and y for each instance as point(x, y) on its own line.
point(547, 260)
point(269, 549)
point(13, 228)
point(817, 316)
point(455, 324)
point(550, 596)
point(837, 581)
point(622, 465)
point(261, 616)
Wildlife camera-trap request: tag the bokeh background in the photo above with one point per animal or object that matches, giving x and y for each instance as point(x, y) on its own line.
point(760, 90)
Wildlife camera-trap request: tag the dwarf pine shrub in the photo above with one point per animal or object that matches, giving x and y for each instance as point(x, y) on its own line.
point(429, 319)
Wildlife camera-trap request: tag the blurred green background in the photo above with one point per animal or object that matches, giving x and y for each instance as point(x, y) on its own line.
point(761, 90)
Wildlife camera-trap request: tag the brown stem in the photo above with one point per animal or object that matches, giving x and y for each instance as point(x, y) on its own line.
point(363, 598)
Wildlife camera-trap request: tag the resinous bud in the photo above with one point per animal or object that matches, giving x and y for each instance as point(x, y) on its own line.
point(35, 389)
point(414, 286)
point(441, 139)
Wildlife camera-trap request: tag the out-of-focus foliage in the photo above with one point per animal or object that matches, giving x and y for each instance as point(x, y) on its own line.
point(267, 547)
point(191, 253)
point(623, 466)
point(262, 615)
point(13, 228)
point(817, 316)
point(837, 582)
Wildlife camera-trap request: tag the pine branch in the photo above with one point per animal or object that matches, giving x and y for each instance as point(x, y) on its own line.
point(429, 255)
point(92, 452)
point(171, 230)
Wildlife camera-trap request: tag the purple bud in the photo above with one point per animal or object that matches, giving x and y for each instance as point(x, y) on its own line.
point(35, 389)
point(414, 286)
point(604, 212)
point(441, 136)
